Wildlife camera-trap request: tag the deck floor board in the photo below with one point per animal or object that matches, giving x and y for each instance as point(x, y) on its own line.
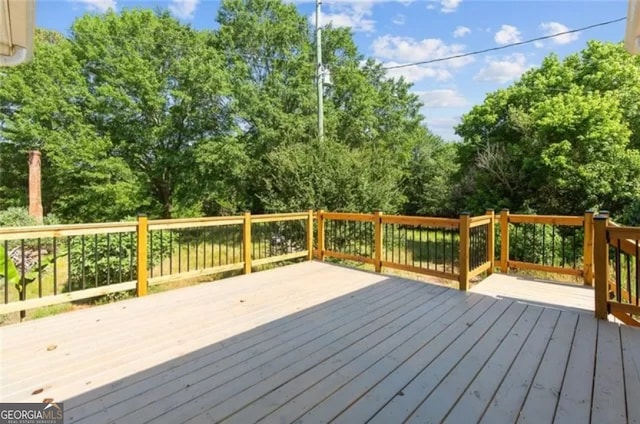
point(316, 342)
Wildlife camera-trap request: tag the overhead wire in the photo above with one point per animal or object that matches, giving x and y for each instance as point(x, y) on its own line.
point(506, 46)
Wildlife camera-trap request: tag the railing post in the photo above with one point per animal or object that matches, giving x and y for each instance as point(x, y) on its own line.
point(463, 277)
point(378, 242)
point(601, 265)
point(321, 234)
point(504, 241)
point(588, 248)
point(310, 235)
point(491, 241)
point(141, 262)
point(246, 242)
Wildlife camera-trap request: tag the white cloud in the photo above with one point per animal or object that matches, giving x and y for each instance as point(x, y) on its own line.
point(356, 15)
point(508, 34)
point(448, 6)
point(98, 5)
point(183, 9)
point(399, 19)
point(538, 44)
point(461, 31)
point(442, 98)
point(417, 73)
point(551, 28)
point(503, 70)
point(407, 49)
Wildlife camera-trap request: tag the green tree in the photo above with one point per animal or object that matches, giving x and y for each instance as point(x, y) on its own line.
point(43, 107)
point(160, 94)
point(559, 140)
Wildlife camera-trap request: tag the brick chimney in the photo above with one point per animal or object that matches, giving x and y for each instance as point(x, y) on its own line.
point(35, 190)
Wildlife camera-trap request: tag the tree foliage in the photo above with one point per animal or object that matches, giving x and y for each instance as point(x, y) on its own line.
point(560, 140)
point(138, 112)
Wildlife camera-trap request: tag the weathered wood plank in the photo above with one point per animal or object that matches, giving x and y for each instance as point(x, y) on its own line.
point(213, 381)
point(542, 399)
point(443, 397)
point(630, 339)
point(243, 341)
point(198, 295)
point(412, 355)
point(332, 356)
point(430, 325)
point(507, 401)
point(575, 397)
point(142, 333)
point(478, 341)
point(608, 405)
point(470, 405)
point(347, 361)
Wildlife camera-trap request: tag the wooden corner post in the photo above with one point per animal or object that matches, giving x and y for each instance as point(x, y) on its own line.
point(504, 241)
point(246, 242)
point(321, 234)
point(463, 277)
point(141, 263)
point(601, 265)
point(491, 241)
point(310, 235)
point(588, 248)
point(378, 242)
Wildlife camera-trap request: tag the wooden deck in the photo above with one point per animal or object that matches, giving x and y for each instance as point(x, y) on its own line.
point(314, 343)
point(535, 291)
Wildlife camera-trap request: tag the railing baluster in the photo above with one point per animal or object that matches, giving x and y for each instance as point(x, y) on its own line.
point(544, 243)
point(22, 272)
point(119, 257)
point(95, 259)
point(553, 246)
point(170, 252)
point(83, 262)
point(55, 266)
point(6, 271)
point(161, 252)
point(189, 251)
point(108, 259)
point(628, 257)
point(618, 276)
point(197, 243)
point(226, 247)
point(69, 280)
point(150, 254)
point(444, 250)
point(575, 248)
point(39, 267)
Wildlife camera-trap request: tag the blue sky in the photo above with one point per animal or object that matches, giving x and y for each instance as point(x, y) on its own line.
point(404, 31)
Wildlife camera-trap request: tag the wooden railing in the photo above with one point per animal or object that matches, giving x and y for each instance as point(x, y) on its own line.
point(457, 249)
point(48, 265)
point(552, 244)
point(617, 275)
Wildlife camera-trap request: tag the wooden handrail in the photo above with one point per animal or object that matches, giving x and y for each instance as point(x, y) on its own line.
point(341, 216)
point(574, 221)
point(52, 231)
point(421, 220)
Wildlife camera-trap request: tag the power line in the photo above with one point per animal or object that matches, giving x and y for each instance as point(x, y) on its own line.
point(519, 43)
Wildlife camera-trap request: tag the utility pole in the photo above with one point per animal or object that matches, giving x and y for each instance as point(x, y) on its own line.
point(319, 73)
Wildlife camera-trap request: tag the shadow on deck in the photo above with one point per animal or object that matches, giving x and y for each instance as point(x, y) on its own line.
point(314, 343)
